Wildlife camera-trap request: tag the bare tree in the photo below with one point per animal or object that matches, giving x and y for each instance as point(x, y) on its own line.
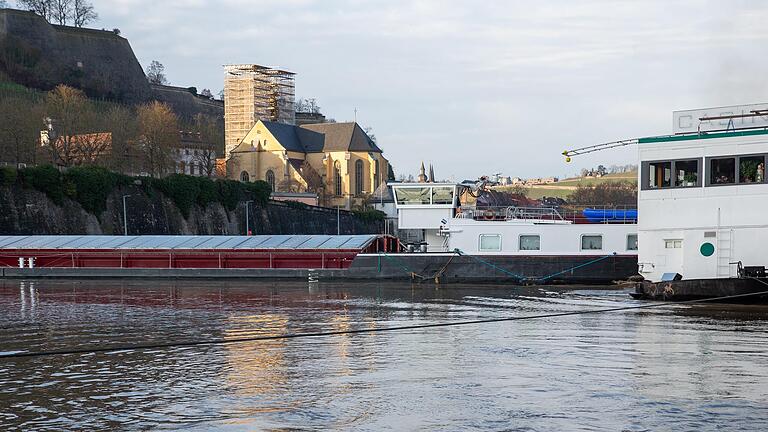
point(121, 123)
point(44, 8)
point(307, 106)
point(156, 73)
point(158, 136)
point(608, 193)
point(211, 139)
point(206, 93)
point(3, 4)
point(92, 148)
point(369, 131)
point(83, 13)
point(73, 136)
point(61, 11)
point(20, 125)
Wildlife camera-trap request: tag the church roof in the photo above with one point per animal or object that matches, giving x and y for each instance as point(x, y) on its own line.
point(293, 138)
point(317, 138)
point(343, 137)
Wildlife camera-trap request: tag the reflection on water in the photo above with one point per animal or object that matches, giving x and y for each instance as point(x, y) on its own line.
point(701, 367)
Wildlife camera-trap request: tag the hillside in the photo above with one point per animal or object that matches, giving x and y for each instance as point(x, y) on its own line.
point(38, 56)
point(564, 187)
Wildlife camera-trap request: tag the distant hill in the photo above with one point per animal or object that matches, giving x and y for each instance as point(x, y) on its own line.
point(564, 187)
point(38, 55)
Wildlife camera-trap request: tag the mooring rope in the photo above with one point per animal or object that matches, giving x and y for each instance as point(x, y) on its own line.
point(522, 278)
point(413, 274)
point(181, 344)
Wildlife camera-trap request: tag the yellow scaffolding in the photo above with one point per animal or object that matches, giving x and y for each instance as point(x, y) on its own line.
point(253, 92)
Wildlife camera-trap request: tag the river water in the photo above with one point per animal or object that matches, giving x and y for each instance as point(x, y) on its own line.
point(702, 367)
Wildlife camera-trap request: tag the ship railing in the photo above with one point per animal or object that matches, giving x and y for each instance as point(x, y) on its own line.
point(582, 214)
point(505, 213)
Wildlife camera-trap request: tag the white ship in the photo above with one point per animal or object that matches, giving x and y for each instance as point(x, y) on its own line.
point(491, 242)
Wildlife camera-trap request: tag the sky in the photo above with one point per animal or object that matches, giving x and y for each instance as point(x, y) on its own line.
point(473, 87)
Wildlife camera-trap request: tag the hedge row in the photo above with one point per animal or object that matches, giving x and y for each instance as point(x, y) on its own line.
point(186, 191)
point(91, 186)
point(370, 215)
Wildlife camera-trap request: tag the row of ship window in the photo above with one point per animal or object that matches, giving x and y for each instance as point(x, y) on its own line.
point(720, 171)
point(532, 242)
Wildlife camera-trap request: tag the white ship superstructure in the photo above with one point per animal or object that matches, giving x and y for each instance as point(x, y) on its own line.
point(703, 195)
point(446, 225)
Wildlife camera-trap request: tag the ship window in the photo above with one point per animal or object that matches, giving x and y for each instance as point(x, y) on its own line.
point(673, 244)
point(631, 242)
point(530, 242)
point(659, 174)
point(412, 196)
point(722, 171)
point(591, 242)
point(751, 169)
point(687, 173)
point(490, 242)
point(442, 195)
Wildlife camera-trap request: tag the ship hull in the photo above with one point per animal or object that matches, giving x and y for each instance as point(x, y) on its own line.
point(446, 268)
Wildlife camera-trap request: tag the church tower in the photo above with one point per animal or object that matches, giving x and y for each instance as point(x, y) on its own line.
point(422, 174)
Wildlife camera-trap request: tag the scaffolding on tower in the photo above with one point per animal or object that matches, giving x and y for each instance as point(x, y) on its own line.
point(254, 92)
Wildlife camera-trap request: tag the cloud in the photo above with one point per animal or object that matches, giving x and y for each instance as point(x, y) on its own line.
point(472, 84)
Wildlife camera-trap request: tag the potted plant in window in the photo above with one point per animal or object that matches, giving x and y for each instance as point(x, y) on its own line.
point(689, 179)
point(748, 170)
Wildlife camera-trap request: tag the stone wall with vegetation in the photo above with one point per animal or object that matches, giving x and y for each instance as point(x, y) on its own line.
point(89, 200)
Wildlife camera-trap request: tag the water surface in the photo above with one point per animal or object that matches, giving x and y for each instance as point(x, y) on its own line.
point(702, 367)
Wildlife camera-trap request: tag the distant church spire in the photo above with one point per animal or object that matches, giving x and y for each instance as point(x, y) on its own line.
point(422, 174)
point(431, 174)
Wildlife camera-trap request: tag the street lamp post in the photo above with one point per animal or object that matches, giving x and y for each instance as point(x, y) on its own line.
point(125, 216)
point(247, 220)
point(338, 220)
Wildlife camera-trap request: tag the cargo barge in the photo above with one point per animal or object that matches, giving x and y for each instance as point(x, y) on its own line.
point(459, 243)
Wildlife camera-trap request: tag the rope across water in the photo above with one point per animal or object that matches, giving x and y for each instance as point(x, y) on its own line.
point(181, 344)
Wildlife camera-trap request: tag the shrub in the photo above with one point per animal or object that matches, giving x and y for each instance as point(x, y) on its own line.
point(606, 194)
point(46, 179)
point(370, 215)
point(8, 176)
point(181, 189)
point(207, 191)
point(229, 193)
point(259, 191)
point(91, 186)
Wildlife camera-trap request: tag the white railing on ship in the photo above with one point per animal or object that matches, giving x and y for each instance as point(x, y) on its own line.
point(509, 213)
point(574, 213)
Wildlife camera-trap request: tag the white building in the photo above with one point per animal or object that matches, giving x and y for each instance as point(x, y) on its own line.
point(702, 201)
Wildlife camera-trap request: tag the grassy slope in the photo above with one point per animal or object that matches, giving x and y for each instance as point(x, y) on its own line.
point(564, 187)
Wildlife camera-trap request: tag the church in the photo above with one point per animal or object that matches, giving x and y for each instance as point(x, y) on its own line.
point(337, 161)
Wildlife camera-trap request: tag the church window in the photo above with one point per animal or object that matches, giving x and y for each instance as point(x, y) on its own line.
point(271, 179)
point(359, 177)
point(376, 174)
point(337, 178)
point(244, 177)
